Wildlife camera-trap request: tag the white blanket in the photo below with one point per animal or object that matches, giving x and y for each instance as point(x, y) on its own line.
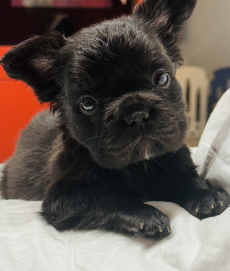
point(27, 243)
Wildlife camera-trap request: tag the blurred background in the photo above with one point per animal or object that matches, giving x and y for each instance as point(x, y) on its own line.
point(204, 77)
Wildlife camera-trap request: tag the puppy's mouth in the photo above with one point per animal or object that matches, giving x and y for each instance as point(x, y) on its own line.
point(142, 146)
point(140, 149)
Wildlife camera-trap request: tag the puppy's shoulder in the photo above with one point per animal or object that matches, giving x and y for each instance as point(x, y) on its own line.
point(41, 130)
point(45, 120)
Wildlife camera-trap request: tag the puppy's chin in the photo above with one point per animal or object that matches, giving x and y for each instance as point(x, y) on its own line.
point(140, 150)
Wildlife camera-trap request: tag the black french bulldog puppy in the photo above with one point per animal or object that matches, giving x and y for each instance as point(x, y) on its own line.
point(115, 137)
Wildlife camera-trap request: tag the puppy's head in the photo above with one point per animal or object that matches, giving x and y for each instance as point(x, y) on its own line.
point(113, 83)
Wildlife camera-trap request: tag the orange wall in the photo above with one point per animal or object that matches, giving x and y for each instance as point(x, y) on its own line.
point(18, 105)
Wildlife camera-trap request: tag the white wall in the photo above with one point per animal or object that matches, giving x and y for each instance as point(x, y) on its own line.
point(207, 35)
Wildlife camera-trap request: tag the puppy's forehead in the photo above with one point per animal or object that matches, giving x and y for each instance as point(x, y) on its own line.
point(117, 53)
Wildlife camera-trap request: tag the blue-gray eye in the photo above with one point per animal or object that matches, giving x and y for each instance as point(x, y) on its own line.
point(87, 104)
point(161, 79)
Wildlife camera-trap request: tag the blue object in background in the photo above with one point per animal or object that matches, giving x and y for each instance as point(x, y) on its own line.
point(219, 84)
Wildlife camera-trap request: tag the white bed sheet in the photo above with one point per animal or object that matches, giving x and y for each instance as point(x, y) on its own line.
point(28, 243)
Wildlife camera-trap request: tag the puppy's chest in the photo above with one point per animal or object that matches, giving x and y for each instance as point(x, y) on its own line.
point(147, 182)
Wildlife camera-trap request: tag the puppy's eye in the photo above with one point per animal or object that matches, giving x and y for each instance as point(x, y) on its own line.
point(161, 79)
point(87, 104)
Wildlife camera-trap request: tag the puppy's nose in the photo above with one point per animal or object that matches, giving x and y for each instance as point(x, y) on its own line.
point(138, 117)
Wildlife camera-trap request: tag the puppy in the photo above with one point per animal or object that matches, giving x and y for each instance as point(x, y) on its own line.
point(114, 138)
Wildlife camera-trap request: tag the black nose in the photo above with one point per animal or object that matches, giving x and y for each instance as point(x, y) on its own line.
point(138, 117)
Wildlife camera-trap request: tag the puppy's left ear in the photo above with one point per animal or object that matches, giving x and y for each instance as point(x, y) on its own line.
point(39, 62)
point(165, 18)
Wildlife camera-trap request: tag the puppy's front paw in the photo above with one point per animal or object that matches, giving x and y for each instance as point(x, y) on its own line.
point(207, 202)
point(145, 222)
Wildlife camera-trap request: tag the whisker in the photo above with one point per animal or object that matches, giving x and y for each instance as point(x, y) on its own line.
point(152, 172)
point(80, 143)
point(159, 164)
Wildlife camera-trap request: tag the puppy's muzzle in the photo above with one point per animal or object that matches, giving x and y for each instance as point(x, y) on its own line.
point(133, 109)
point(136, 109)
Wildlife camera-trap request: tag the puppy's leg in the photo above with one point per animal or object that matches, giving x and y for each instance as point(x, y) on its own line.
point(73, 205)
point(193, 193)
point(201, 200)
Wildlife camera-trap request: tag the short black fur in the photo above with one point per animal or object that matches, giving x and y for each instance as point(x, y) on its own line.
point(115, 137)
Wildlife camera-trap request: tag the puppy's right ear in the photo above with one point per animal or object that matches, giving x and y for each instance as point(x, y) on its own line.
point(38, 61)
